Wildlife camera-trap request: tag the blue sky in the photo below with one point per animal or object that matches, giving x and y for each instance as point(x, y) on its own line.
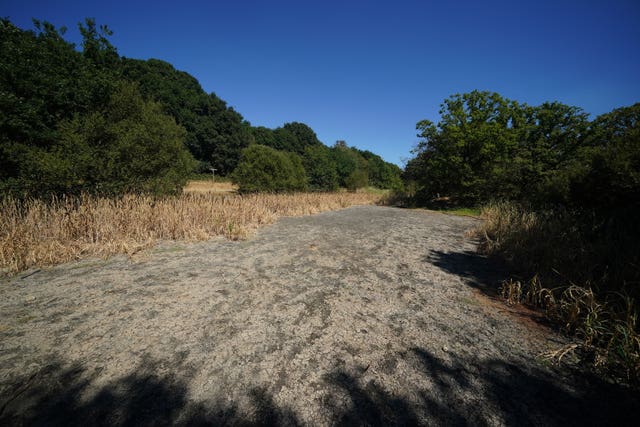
point(367, 71)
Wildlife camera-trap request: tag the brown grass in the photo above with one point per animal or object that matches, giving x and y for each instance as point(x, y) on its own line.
point(34, 233)
point(209, 186)
point(605, 322)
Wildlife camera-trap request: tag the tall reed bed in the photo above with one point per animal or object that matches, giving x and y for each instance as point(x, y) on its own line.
point(38, 233)
point(584, 274)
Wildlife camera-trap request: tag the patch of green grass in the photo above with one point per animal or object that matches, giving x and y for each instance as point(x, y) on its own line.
point(471, 211)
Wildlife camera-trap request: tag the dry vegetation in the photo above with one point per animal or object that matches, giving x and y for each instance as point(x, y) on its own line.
point(209, 186)
point(34, 233)
point(602, 315)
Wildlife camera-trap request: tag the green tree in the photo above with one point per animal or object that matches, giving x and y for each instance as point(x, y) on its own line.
point(486, 146)
point(294, 137)
point(608, 175)
point(96, 46)
point(382, 174)
point(304, 135)
point(130, 145)
point(549, 140)
point(466, 153)
point(357, 179)
point(216, 133)
point(348, 161)
point(320, 167)
point(43, 81)
point(264, 136)
point(284, 140)
point(266, 169)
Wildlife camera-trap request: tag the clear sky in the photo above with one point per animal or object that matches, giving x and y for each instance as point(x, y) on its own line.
point(367, 71)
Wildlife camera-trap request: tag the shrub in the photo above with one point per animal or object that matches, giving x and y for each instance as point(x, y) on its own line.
point(265, 169)
point(129, 145)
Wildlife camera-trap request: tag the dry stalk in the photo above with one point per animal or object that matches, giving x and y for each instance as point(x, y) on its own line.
point(34, 233)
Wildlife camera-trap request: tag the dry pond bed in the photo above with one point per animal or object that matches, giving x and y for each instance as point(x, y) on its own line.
point(364, 316)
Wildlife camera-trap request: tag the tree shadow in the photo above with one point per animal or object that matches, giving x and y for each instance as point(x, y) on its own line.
point(371, 405)
point(478, 271)
point(501, 394)
point(60, 395)
point(445, 391)
point(525, 395)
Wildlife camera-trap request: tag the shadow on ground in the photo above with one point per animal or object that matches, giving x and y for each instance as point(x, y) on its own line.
point(501, 393)
point(504, 394)
point(57, 396)
point(480, 272)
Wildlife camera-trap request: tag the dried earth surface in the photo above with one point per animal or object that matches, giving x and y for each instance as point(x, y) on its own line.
point(364, 316)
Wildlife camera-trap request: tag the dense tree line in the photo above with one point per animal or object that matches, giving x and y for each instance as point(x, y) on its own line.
point(71, 122)
point(328, 168)
point(216, 133)
point(87, 119)
point(488, 147)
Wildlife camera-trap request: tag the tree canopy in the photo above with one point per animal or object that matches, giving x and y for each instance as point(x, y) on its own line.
point(489, 147)
point(216, 133)
point(63, 129)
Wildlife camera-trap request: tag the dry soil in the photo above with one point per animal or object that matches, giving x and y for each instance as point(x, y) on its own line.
point(364, 316)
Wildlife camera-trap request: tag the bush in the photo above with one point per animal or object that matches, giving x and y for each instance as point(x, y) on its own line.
point(265, 169)
point(356, 179)
point(129, 145)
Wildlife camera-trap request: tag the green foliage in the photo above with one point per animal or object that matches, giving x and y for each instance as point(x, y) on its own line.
point(304, 135)
point(329, 168)
point(294, 137)
point(91, 120)
point(607, 177)
point(356, 179)
point(95, 45)
point(129, 145)
point(382, 174)
point(348, 161)
point(321, 168)
point(43, 80)
point(264, 136)
point(216, 134)
point(488, 147)
point(266, 169)
point(285, 140)
point(468, 152)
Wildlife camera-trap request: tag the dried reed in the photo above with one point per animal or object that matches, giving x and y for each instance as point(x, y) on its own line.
point(36, 233)
point(605, 322)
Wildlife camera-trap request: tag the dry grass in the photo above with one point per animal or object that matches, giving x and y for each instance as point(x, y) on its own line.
point(34, 233)
point(605, 322)
point(209, 186)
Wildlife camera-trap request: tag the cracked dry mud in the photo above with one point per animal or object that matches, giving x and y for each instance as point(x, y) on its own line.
point(364, 316)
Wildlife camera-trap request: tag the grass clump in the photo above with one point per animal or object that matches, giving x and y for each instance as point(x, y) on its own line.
point(584, 273)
